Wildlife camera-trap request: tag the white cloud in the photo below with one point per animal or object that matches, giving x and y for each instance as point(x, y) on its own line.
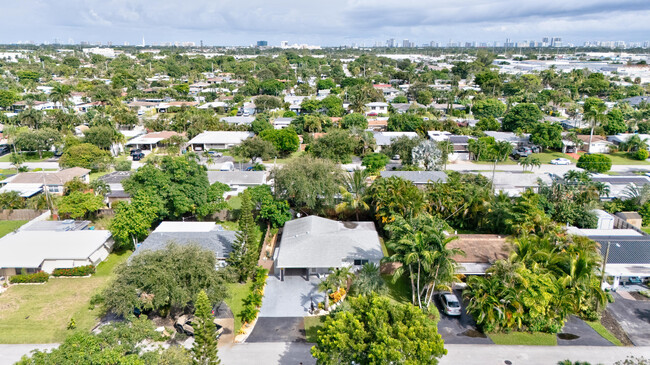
point(331, 23)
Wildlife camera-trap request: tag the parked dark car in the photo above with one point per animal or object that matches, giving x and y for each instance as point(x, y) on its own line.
point(135, 151)
point(138, 156)
point(4, 149)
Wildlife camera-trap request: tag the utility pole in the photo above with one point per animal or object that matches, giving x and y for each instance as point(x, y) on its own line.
point(494, 168)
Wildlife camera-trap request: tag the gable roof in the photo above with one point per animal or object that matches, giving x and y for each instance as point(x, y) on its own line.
point(50, 178)
point(386, 138)
point(204, 234)
point(323, 243)
point(625, 249)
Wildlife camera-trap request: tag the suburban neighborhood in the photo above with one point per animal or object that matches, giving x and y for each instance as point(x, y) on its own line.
point(297, 204)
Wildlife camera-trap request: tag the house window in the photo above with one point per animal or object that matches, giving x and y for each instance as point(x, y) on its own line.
point(360, 262)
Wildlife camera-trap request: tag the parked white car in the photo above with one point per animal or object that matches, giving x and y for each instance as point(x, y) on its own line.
point(561, 161)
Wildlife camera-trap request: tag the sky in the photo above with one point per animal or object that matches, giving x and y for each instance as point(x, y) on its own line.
point(326, 23)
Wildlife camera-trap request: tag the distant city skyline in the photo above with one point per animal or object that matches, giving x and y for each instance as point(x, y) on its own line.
point(362, 22)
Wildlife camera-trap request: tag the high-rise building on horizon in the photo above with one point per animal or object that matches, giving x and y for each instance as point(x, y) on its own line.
point(262, 43)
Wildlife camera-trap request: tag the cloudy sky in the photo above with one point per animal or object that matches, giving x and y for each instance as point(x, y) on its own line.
point(331, 22)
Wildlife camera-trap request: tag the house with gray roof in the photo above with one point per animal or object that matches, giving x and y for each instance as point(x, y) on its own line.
point(313, 245)
point(207, 235)
point(238, 180)
point(384, 139)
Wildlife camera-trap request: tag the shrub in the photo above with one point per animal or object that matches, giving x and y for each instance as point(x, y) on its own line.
point(594, 162)
point(337, 295)
point(248, 313)
point(75, 271)
point(39, 277)
point(641, 154)
point(123, 166)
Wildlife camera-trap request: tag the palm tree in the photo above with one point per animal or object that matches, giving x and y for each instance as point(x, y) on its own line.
point(502, 149)
point(60, 94)
point(446, 147)
point(369, 280)
point(342, 276)
point(443, 270)
point(635, 143)
point(595, 115)
point(530, 161)
point(326, 286)
point(353, 192)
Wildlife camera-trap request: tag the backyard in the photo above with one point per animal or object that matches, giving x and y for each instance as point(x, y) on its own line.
point(544, 158)
point(9, 226)
point(41, 313)
point(236, 293)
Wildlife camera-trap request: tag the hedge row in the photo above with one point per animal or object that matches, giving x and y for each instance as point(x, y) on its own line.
point(39, 277)
point(75, 271)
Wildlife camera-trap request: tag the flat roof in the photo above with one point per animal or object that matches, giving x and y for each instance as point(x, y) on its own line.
point(169, 226)
point(221, 137)
point(30, 248)
point(480, 248)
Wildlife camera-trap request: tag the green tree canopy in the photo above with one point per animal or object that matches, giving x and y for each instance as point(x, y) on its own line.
point(376, 331)
point(488, 108)
point(286, 140)
point(165, 281)
point(86, 155)
point(354, 120)
point(337, 145)
point(547, 135)
point(595, 162)
point(522, 116)
point(308, 182)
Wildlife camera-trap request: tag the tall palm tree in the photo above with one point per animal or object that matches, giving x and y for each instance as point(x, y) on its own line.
point(326, 286)
point(60, 94)
point(353, 192)
point(369, 280)
point(596, 115)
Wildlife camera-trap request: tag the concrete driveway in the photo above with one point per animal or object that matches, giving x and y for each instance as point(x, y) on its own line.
point(459, 329)
point(634, 318)
point(578, 333)
point(291, 297)
point(278, 329)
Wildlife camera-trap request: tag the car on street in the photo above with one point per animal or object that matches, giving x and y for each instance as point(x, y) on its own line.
point(395, 158)
point(561, 161)
point(215, 154)
point(450, 303)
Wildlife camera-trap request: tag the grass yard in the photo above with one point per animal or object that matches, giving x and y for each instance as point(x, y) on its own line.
point(598, 327)
point(293, 156)
point(620, 158)
point(29, 157)
point(95, 175)
point(524, 338)
point(234, 202)
point(400, 290)
point(312, 325)
point(646, 229)
point(9, 226)
point(41, 313)
point(544, 158)
point(237, 292)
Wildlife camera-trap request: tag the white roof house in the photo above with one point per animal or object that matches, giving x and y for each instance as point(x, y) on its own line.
point(49, 250)
point(314, 245)
point(218, 140)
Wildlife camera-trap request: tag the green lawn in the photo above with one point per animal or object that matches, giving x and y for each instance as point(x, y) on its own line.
point(9, 226)
point(293, 156)
point(646, 229)
point(234, 202)
point(620, 158)
point(312, 325)
point(40, 313)
point(29, 157)
point(237, 292)
point(544, 158)
point(400, 290)
point(524, 338)
point(95, 175)
point(598, 327)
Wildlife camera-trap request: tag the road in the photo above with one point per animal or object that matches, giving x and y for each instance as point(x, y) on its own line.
point(546, 168)
point(293, 353)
